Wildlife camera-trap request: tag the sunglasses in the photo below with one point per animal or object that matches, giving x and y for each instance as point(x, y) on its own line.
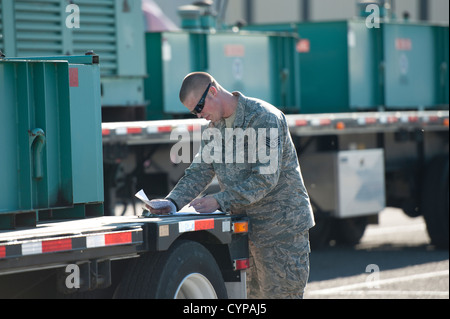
point(201, 104)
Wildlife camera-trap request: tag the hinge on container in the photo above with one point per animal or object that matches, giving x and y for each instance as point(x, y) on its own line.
point(95, 57)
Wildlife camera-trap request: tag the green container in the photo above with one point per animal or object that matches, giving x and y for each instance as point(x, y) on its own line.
point(113, 29)
point(442, 40)
point(258, 64)
point(51, 158)
point(346, 66)
point(410, 66)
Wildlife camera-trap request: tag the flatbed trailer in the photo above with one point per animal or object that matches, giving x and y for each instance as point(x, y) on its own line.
point(72, 257)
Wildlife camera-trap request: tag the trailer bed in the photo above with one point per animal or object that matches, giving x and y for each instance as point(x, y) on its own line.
point(61, 242)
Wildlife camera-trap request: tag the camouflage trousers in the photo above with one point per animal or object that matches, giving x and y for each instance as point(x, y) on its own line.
point(280, 271)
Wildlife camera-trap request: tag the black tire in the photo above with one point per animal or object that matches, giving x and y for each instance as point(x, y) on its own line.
point(160, 275)
point(349, 231)
point(319, 235)
point(435, 201)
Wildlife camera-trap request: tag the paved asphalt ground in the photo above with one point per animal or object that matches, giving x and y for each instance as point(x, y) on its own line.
point(393, 261)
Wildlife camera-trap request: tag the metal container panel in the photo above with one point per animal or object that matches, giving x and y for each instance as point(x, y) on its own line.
point(50, 118)
point(410, 66)
point(363, 66)
point(86, 133)
point(352, 185)
point(169, 60)
point(113, 29)
point(324, 69)
point(36, 160)
point(240, 62)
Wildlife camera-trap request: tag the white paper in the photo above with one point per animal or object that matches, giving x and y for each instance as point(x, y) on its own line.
point(143, 197)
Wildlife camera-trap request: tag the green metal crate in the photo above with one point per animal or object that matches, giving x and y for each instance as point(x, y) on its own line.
point(259, 64)
point(410, 74)
point(346, 66)
point(51, 158)
point(113, 29)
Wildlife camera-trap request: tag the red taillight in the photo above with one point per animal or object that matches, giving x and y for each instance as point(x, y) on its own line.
point(240, 264)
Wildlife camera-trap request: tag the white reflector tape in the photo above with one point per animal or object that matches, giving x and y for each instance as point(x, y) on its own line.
point(121, 131)
point(152, 129)
point(95, 241)
point(186, 226)
point(226, 226)
point(32, 248)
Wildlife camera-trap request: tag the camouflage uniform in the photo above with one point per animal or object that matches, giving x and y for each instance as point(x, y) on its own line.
point(277, 204)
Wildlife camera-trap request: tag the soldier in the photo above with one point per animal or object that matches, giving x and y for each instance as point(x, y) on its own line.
point(271, 193)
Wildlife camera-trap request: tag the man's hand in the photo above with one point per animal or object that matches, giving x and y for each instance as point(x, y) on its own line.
point(161, 207)
point(205, 205)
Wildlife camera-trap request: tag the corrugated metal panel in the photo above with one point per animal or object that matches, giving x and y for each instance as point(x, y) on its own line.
point(97, 32)
point(38, 27)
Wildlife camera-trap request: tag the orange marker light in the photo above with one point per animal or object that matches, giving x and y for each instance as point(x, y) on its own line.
point(340, 125)
point(240, 227)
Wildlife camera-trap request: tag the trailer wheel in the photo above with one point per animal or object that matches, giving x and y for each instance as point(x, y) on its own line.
point(435, 201)
point(186, 271)
point(319, 235)
point(349, 231)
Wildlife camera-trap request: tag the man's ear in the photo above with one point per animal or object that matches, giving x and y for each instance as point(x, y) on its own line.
point(213, 91)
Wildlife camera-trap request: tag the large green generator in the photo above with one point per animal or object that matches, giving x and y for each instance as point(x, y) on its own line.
point(259, 64)
point(347, 66)
point(51, 155)
point(113, 29)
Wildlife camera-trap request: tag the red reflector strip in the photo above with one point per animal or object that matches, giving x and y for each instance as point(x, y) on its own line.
point(164, 129)
point(119, 238)
point(105, 131)
point(413, 119)
point(301, 122)
point(392, 119)
point(2, 251)
point(371, 120)
point(134, 130)
point(240, 264)
point(325, 122)
point(56, 245)
point(204, 224)
point(193, 128)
